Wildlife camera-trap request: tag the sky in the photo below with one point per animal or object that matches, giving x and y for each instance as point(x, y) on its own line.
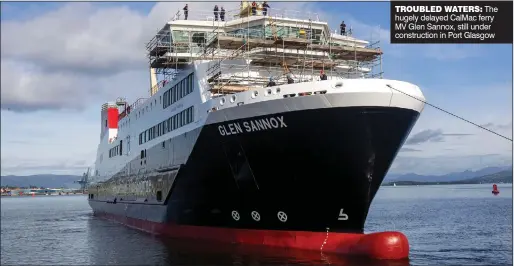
point(61, 61)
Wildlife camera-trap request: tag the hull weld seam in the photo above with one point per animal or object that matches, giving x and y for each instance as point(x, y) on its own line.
point(325, 241)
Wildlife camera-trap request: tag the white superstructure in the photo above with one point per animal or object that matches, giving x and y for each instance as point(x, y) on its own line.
point(205, 72)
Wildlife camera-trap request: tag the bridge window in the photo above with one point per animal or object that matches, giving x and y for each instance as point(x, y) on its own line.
point(198, 38)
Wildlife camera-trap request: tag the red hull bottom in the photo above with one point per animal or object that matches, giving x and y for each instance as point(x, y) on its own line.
point(382, 245)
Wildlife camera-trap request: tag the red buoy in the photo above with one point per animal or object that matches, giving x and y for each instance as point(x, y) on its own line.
point(495, 190)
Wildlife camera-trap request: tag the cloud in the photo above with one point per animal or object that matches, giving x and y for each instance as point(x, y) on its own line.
point(71, 49)
point(444, 164)
point(76, 39)
point(426, 136)
point(429, 135)
point(493, 126)
point(26, 89)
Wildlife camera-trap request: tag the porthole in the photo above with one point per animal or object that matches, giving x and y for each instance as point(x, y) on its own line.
point(255, 94)
point(222, 101)
point(277, 90)
point(233, 98)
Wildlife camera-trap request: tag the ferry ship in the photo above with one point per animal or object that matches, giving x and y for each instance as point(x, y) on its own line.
point(262, 127)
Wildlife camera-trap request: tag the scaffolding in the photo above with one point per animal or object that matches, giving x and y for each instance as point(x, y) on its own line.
point(258, 48)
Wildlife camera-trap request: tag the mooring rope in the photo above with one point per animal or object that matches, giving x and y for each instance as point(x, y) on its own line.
point(452, 114)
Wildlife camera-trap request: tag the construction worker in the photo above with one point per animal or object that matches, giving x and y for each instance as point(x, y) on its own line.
point(265, 7)
point(254, 8)
point(343, 28)
point(290, 79)
point(271, 83)
point(216, 10)
point(222, 14)
point(301, 33)
point(186, 10)
point(322, 75)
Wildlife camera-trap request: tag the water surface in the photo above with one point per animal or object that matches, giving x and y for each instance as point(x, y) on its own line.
point(446, 225)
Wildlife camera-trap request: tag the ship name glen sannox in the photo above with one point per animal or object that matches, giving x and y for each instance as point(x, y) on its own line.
point(252, 125)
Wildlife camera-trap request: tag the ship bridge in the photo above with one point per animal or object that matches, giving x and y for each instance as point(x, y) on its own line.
point(245, 49)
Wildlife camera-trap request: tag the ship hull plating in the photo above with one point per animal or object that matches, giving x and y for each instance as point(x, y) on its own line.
point(277, 179)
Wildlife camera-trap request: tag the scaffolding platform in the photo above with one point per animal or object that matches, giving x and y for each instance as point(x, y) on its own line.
point(348, 52)
point(338, 52)
point(242, 57)
point(158, 50)
point(229, 88)
point(292, 43)
point(228, 42)
point(274, 60)
point(168, 62)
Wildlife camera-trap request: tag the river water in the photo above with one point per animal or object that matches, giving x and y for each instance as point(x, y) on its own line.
point(446, 225)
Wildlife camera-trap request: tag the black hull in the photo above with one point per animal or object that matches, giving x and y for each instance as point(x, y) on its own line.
point(325, 164)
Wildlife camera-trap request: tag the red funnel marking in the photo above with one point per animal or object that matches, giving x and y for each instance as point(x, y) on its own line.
point(383, 245)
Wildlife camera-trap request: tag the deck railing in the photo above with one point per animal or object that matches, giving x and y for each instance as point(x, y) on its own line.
point(234, 14)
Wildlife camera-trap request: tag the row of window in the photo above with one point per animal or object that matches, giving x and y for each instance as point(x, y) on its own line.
point(116, 150)
point(179, 91)
point(177, 121)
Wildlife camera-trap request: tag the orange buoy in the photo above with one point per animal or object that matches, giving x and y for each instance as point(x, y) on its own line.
point(495, 190)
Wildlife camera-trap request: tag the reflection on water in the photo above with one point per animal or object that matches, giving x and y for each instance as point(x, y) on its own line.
point(444, 224)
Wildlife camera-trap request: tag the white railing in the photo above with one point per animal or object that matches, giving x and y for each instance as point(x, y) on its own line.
point(165, 81)
point(234, 14)
point(204, 15)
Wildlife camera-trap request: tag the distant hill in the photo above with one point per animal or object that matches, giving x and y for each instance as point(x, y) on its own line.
point(47, 181)
point(496, 178)
point(447, 177)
